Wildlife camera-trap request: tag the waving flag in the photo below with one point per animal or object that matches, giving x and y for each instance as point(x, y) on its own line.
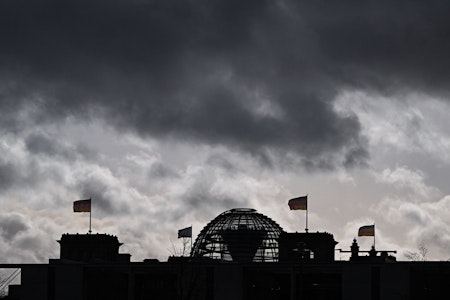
point(185, 232)
point(368, 230)
point(299, 203)
point(82, 205)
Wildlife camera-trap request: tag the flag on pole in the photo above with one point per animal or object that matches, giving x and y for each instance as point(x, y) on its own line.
point(185, 232)
point(368, 230)
point(299, 203)
point(82, 205)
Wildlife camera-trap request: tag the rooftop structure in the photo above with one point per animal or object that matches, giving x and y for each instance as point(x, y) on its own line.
point(240, 235)
point(90, 247)
point(317, 246)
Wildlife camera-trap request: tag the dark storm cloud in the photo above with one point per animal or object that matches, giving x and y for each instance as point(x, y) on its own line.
point(43, 144)
point(384, 45)
point(8, 175)
point(161, 171)
point(221, 162)
point(202, 191)
point(105, 193)
point(203, 200)
point(94, 188)
point(203, 70)
point(11, 225)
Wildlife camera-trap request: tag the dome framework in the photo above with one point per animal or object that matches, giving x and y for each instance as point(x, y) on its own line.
point(239, 234)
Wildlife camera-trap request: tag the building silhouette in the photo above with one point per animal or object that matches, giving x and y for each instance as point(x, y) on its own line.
point(241, 254)
point(239, 235)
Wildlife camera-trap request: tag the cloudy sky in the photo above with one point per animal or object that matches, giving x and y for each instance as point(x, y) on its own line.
point(168, 113)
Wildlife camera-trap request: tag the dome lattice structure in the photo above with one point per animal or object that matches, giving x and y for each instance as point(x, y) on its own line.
point(239, 234)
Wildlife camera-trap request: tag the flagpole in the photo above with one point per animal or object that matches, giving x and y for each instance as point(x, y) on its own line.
point(373, 235)
point(306, 229)
point(90, 217)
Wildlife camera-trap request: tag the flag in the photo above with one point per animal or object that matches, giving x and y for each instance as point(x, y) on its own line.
point(368, 230)
point(185, 232)
point(82, 205)
point(299, 203)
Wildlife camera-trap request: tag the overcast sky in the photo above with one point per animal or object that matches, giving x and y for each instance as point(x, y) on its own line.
point(168, 113)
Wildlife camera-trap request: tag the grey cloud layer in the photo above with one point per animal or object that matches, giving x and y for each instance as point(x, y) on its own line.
point(206, 71)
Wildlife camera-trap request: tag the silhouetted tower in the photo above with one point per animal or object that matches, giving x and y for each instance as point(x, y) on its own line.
point(354, 248)
point(90, 247)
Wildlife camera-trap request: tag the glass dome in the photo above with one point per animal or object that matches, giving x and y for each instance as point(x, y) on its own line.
point(239, 234)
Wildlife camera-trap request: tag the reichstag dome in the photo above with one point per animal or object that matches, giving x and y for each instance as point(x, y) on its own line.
point(241, 235)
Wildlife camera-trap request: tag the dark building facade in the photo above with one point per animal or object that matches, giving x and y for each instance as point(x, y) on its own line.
point(91, 247)
point(302, 267)
point(306, 246)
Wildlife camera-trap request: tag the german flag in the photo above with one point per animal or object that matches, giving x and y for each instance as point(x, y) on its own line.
point(82, 205)
point(300, 203)
point(368, 230)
